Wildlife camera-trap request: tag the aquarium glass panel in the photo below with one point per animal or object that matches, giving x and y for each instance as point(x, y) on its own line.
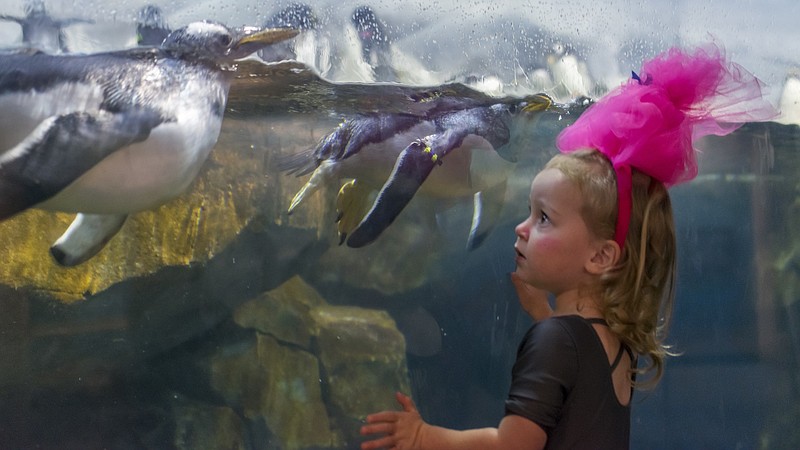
point(217, 238)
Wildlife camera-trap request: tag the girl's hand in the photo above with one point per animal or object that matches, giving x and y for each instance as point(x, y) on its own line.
point(401, 428)
point(533, 300)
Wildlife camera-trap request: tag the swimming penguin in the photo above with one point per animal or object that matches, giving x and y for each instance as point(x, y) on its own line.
point(789, 104)
point(109, 134)
point(151, 27)
point(370, 51)
point(570, 74)
point(40, 31)
point(373, 35)
point(401, 151)
point(311, 47)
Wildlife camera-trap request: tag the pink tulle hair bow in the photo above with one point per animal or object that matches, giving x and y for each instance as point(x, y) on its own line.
point(651, 122)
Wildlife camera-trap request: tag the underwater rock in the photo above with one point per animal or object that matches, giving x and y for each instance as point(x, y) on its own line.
point(361, 351)
point(787, 262)
point(199, 426)
point(283, 313)
point(313, 371)
point(280, 385)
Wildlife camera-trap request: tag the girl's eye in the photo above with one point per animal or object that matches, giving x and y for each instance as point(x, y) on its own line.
point(543, 217)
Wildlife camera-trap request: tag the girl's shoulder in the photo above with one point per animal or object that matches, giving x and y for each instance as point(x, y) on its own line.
point(556, 324)
point(565, 329)
point(555, 330)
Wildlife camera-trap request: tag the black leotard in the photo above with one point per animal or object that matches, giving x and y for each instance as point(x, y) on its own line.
point(562, 381)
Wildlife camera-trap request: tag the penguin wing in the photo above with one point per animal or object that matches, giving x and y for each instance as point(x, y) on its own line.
point(413, 166)
point(373, 129)
point(73, 21)
point(61, 149)
point(348, 139)
point(19, 20)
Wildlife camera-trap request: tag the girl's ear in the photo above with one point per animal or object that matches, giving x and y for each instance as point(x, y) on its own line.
point(606, 256)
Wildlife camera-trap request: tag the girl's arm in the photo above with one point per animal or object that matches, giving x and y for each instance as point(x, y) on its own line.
point(405, 430)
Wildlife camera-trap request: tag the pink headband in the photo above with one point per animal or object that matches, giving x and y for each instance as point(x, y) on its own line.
point(650, 123)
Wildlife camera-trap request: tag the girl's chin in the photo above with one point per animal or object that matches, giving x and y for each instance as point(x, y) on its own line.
point(521, 274)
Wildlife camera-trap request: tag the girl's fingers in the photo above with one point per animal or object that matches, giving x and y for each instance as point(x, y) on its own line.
point(383, 416)
point(376, 428)
point(406, 402)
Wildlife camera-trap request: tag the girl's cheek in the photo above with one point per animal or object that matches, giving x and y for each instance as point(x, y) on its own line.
point(547, 243)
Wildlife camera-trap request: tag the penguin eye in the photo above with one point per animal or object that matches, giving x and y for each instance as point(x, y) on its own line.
point(224, 40)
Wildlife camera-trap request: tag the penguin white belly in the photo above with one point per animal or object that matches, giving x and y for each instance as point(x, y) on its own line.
point(145, 174)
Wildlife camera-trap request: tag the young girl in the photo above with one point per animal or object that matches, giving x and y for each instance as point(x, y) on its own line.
point(601, 239)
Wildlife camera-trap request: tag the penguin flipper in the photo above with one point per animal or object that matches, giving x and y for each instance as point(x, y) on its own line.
point(351, 204)
point(413, 166)
point(61, 149)
point(74, 21)
point(19, 20)
point(487, 206)
point(85, 237)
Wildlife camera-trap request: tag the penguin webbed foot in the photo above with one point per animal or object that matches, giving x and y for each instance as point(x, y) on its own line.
point(321, 177)
point(85, 237)
point(351, 206)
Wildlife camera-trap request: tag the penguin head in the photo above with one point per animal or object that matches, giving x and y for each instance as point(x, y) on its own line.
point(151, 16)
point(368, 26)
point(296, 15)
point(214, 42)
point(151, 27)
point(35, 9)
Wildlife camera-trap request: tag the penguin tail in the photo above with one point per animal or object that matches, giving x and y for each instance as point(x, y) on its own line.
point(298, 164)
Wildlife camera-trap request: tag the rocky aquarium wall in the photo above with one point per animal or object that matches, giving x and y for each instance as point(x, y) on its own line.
point(247, 313)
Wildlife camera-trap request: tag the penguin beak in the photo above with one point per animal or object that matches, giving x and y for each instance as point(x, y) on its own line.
point(538, 102)
point(253, 39)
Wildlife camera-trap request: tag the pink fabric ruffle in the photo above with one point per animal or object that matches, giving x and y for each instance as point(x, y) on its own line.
point(650, 124)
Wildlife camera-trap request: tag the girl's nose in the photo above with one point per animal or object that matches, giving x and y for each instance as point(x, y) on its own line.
point(521, 230)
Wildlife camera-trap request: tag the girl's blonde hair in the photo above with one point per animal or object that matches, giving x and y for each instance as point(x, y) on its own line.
point(636, 296)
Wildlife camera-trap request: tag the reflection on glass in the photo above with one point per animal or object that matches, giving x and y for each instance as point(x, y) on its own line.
point(219, 320)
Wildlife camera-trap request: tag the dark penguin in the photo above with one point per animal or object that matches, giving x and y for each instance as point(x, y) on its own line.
point(406, 153)
point(110, 134)
point(151, 27)
point(298, 16)
point(375, 43)
point(40, 31)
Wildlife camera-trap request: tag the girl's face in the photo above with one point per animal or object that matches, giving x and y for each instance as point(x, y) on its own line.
point(554, 244)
